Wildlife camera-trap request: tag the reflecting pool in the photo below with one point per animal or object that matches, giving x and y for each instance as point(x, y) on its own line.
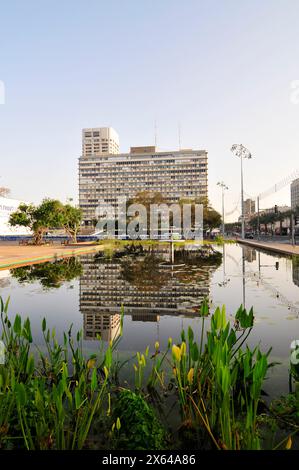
point(161, 293)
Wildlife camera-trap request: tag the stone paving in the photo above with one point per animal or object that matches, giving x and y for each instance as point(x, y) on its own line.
point(277, 247)
point(14, 255)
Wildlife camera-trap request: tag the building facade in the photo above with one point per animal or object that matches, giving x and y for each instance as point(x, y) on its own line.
point(249, 207)
point(99, 141)
point(249, 210)
point(295, 194)
point(105, 177)
point(104, 290)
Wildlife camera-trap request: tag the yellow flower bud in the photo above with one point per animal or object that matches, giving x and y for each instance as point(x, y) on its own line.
point(289, 443)
point(190, 375)
point(183, 348)
point(157, 345)
point(176, 353)
point(91, 363)
point(118, 424)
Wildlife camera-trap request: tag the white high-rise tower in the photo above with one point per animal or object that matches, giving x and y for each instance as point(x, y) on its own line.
point(99, 141)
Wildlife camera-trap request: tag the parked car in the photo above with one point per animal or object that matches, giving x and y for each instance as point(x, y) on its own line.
point(249, 235)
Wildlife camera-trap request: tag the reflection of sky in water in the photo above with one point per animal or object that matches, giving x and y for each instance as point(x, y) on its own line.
point(271, 292)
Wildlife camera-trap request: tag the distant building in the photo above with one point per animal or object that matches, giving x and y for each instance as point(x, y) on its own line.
point(249, 210)
point(106, 175)
point(249, 207)
point(278, 226)
point(7, 207)
point(295, 194)
point(99, 141)
point(270, 210)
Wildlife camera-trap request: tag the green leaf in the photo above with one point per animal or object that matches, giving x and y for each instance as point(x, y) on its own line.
point(20, 394)
point(17, 326)
point(77, 398)
point(30, 365)
point(190, 334)
point(108, 358)
point(94, 380)
point(6, 305)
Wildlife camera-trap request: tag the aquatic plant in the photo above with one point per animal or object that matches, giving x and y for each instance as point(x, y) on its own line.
point(57, 398)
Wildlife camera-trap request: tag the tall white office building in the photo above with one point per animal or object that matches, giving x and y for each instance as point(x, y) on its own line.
point(106, 175)
point(99, 141)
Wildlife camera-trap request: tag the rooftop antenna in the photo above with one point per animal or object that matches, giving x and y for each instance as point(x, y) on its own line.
point(155, 125)
point(179, 133)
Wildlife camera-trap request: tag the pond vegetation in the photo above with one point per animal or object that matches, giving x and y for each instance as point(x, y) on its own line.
point(213, 384)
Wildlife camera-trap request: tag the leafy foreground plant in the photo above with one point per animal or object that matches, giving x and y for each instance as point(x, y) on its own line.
point(218, 383)
point(62, 400)
point(140, 428)
point(52, 404)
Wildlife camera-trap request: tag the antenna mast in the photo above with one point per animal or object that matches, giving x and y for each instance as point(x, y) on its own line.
point(179, 132)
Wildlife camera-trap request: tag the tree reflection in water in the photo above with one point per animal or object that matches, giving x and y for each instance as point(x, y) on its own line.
point(151, 271)
point(51, 274)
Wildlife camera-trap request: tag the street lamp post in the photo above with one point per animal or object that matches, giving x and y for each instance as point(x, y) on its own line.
point(223, 187)
point(240, 151)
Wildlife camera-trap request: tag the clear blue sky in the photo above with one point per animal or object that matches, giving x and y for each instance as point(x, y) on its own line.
point(223, 68)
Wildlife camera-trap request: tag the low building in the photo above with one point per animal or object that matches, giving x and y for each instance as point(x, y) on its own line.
point(7, 207)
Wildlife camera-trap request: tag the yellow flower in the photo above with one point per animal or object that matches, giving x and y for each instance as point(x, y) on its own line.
point(118, 424)
point(91, 363)
point(289, 443)
point(157, 345)
point(176, 353)
point(190, 375)
point(183, 348)
point(106, 372)
point(135, 367)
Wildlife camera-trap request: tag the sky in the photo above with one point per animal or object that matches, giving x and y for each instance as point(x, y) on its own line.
point(223, 69)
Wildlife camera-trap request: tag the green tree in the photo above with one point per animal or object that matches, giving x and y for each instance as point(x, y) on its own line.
point(253, 222)
point(39, 219)
point(71, 220)
point(211, 218)
point(146, 198)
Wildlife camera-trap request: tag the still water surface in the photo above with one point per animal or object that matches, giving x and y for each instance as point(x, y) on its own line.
point(160, 298)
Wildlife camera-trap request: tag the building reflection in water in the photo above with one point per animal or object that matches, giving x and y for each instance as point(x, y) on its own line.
point(249, 254)
point(148, 287)
point(295, 270)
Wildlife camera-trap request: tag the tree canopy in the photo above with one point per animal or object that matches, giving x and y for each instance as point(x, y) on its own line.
point(50, 214)
point(211, 218)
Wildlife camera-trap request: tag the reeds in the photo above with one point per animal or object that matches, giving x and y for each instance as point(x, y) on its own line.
point(61, 399)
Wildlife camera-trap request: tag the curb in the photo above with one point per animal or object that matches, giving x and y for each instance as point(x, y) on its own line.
point(282, 250)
